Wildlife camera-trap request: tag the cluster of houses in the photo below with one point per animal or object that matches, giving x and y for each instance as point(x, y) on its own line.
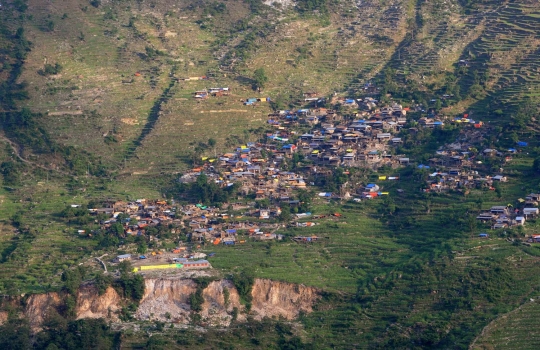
point(460, 165)
point(201, 223)
point(137, 216)
point(504, 216)
point(258, 169)
point(216, 92)
point(332, 141)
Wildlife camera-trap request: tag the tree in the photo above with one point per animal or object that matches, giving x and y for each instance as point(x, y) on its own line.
point(72, 279)
point(471, 223)
point(196, 300)
point(389, 205)
point(536, 164)
point(102, 282)
point(285, 215)
point(142, 248)
point(243, 282)
point(15, 334)
point(133, 285)
point(125, 267)
point(50, 26)
point(117, 229)
point(260, 78)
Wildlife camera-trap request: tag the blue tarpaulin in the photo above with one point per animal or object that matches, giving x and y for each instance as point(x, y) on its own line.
point(522, 144)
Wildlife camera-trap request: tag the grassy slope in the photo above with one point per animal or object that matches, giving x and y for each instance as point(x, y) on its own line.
point(397, 269)
point(512, 330)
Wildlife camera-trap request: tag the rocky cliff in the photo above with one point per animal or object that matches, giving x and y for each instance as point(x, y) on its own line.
point(168, 299)
point(287, 300)
point(39, 307)
point(92, 305)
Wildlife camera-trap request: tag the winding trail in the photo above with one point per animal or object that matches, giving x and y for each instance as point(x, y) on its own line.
point(101, 261)
point(17, 150)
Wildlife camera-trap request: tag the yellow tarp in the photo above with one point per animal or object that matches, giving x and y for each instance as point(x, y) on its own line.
point(382, 177)
point(158, 267)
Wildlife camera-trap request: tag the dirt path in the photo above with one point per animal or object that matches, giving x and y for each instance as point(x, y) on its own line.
point(17, 150)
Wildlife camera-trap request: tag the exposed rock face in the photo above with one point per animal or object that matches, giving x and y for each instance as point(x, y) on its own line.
point(92, 305)
point(273, 298)
point(3, 317)
point(162, 296)
point(39, 307)
point(216, 310)
point(167, 299)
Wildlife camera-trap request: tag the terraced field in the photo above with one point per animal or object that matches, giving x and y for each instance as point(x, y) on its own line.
point(118, 96)
point(512, 330)
point(115, 101)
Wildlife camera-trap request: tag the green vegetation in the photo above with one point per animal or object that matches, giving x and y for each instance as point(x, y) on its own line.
point(50, 69)
point(111, 117)
point(511, 330)
point(260, 79)
point(58, 334)
point(204, 191)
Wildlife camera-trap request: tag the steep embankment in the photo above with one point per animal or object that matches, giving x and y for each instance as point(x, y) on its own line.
point(168, 300)
point(92, 305)
point(272, 298)
point(39, 307)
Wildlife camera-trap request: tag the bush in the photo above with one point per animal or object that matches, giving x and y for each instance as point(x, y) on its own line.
point(50, 69)
point(243, 282)
point(196, 300)
point(72, 279)
point(133, 286)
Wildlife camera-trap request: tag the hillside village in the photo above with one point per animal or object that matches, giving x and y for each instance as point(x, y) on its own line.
point(303, 144)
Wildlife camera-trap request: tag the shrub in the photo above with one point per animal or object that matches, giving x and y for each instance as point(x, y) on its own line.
point(50, 69)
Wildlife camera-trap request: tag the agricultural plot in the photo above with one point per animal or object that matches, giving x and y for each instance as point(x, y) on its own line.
point(511, 330)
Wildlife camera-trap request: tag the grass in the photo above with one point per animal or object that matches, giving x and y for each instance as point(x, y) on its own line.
point(415, 277)
point(352, 247)
point(512, 330)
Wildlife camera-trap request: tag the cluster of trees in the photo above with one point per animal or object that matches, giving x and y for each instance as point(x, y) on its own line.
point(307, 6)
point(50, 69)
point(132, 284)
point(58, 333)
point(214, 8)
point(205, 191)
point(259, 79)
point(333, 181)
point(11, 172)
point(243, 281)
point(151, 53)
